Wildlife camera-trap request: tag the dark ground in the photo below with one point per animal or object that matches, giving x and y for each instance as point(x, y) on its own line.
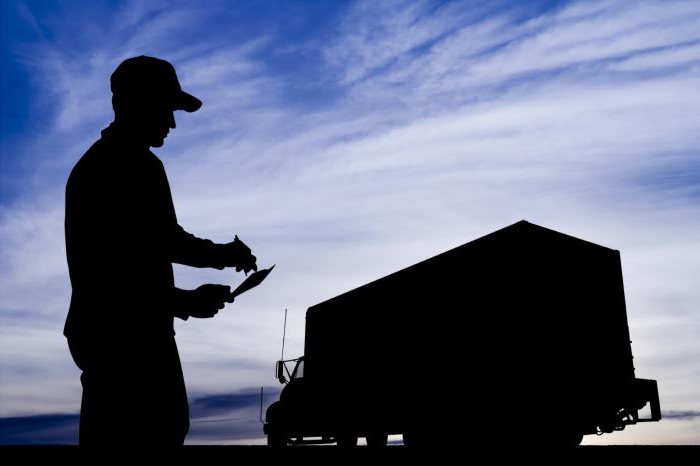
point(331, 455)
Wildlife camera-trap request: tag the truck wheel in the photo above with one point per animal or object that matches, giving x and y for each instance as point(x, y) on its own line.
point(573, 440)
point(277, 439)
point(567, 439)
point(377, 440)
point(420, 439)
point(411, 440)
point(347, 440)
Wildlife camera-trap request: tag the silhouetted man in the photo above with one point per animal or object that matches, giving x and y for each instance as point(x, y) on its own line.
point(122, 237)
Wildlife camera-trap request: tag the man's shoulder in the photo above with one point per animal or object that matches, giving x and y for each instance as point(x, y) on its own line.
point(89, 160)
point(97, 165)
point(105, 162)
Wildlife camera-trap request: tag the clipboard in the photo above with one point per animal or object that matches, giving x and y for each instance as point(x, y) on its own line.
point(251, 282)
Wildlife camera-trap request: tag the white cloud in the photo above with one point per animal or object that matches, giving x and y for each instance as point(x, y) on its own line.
point(375, 33)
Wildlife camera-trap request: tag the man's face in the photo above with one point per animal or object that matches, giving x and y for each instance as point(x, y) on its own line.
point(156, 124)
point(148, 118)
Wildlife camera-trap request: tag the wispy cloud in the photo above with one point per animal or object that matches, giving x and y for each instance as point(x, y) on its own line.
point(681, 415)
point(59, 429)
point(432, 124)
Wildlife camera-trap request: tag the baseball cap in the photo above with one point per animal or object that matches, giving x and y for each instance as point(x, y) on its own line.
point(149, 78)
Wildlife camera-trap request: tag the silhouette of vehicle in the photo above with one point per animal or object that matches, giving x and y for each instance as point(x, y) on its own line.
point(520, 336)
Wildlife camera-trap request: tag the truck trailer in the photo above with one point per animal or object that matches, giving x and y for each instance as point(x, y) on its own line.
point(519, 336)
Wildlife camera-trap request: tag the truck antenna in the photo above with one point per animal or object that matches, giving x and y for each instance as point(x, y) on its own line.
point(284, 333)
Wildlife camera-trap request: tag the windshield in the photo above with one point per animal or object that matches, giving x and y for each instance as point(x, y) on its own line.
point(299, 370)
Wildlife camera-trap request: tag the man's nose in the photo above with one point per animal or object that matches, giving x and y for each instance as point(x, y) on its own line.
point(171, 121)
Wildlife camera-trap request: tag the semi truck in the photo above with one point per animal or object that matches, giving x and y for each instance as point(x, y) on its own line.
point(519, 336)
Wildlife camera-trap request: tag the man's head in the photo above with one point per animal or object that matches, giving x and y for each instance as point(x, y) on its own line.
point(145, 93)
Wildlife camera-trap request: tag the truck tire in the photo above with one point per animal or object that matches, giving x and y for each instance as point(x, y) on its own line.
point(420, 439)
point(277, 439)
point(377, 440)
point(567, 438)
point(573, 440)
point(346, 440)
point(411, 439)
point(576, 440)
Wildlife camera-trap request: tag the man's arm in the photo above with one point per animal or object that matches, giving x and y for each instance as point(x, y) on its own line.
point(204, 302)
point(187, 249)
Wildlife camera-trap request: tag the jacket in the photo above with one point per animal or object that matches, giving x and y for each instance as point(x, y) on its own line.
point(122, 237)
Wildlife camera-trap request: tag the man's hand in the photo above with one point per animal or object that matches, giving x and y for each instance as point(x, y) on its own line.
point(207, 300)
point(237, 254)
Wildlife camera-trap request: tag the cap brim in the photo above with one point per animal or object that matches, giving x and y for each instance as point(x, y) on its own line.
point(187, 102)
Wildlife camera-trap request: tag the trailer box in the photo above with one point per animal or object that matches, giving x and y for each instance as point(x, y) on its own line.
point(521, 334)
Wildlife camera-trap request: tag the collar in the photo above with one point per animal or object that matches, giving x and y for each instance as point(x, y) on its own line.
point(115, 134)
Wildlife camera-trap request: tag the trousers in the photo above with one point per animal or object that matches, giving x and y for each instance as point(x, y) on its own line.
point(133, 392)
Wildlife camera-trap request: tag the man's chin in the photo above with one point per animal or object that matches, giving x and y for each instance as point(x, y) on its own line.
point(157, 142)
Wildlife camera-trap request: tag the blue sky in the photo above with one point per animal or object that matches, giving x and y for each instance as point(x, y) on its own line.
point(346, 140)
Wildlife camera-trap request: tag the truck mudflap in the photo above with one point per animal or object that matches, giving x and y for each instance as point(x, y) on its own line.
point(647, 391)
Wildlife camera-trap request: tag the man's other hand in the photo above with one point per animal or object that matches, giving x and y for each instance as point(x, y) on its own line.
point(208, 299)
point(237, 254)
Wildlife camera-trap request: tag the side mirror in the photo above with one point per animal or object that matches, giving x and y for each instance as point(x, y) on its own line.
point(280, 372)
